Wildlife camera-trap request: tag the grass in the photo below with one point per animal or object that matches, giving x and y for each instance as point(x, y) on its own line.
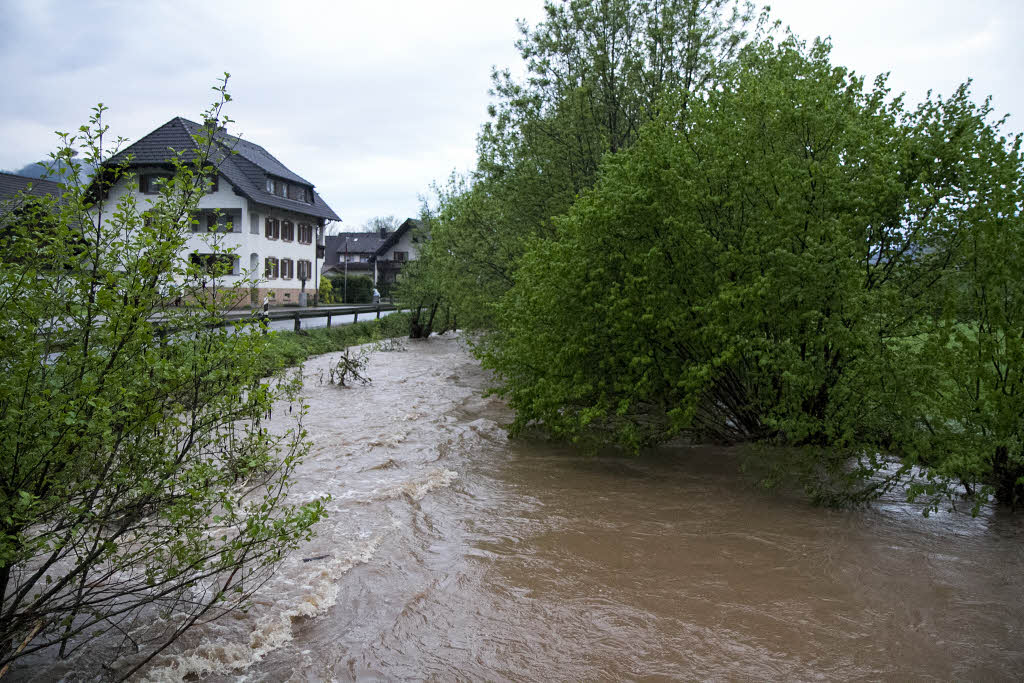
point(288, 349)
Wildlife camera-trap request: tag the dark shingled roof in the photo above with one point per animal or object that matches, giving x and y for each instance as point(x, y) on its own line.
point(366, 242)
point(11, 185)
point(358, 243)
point(246, 169)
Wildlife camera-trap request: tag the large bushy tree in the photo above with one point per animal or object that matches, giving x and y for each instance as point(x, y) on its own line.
point(791, 260)
point(137, 481)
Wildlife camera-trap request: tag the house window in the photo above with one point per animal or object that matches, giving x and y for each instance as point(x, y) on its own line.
point(270, 268)
point(401, 256)
point(305, 270)
point(270, 185)
point(287, 269)
point(280, 188)
point(287, 231)
point(150, 183)
point(213, 264)
point(305, 233)
point(296, 192)
point(212, 183)
point(272, 229)
point(219, 223)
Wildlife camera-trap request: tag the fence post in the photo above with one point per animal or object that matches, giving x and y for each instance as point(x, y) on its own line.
point(298, 322)
point(378, 311)
point(355, 317)
point(328, 321)
point(266, 314)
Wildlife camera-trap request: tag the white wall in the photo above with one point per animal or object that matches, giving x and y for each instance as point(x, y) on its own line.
point(404, 244)
point(244, 242)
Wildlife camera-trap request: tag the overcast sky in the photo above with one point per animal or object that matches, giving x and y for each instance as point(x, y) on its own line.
point(374, 101)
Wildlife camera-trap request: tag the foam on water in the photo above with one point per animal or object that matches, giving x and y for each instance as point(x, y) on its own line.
point(272, 630)
point(373, 446)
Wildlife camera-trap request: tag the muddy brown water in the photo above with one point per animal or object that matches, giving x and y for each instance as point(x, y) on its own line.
point(453, 553)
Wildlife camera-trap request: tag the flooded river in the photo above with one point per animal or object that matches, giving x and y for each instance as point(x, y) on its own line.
point(452, 553)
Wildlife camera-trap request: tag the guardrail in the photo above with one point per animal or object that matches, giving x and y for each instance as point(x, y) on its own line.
point(322, 312)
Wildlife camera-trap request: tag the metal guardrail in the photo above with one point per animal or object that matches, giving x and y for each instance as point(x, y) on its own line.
point(298, 315)
point(328, 313)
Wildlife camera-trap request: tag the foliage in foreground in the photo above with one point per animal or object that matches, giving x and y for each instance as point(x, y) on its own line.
point(140, 492)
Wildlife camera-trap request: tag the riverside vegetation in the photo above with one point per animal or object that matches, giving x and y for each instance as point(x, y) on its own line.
point(686, 222)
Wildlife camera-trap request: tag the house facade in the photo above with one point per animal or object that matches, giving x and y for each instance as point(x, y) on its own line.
point(270, 217)
point(400, 247)
point(351, 252)
point(380, 255)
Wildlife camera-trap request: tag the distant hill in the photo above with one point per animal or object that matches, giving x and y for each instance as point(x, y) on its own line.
point(34, 170)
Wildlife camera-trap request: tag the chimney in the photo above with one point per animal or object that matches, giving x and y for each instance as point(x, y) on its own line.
point(383, 233)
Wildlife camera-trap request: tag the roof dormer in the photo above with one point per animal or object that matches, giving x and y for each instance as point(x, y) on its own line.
point(289, 190)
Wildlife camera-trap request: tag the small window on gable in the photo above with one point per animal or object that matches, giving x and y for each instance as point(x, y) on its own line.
point(150, 183)
point(212, 183)
point(270, 185)
point(280, 188)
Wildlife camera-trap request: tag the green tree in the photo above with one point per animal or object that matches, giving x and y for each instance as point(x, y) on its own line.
point(420, 289)
point(326, 290)
point(596, 71)
point(137, 480)
point(973, 387)
point(352, 289)
point(761, 267)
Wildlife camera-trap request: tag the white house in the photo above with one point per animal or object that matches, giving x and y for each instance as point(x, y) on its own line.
point(398, 248)
point(272, 217)
point(381, 254)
